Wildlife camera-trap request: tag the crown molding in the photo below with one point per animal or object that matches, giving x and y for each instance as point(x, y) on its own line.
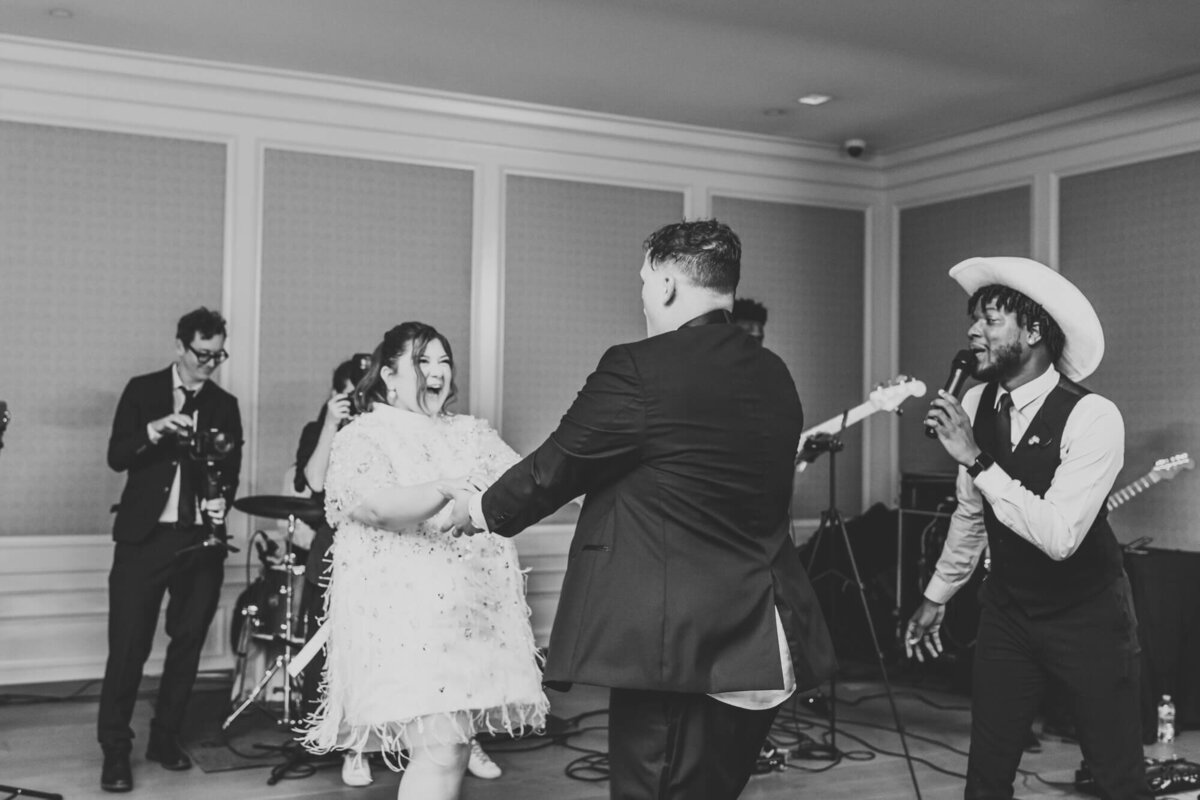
point(1162, 106)
point(93, 73)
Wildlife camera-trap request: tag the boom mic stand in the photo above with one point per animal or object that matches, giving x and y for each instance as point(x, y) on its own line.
point(831, 519)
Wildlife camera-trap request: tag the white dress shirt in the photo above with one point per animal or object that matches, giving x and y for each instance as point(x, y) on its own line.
point(170, 513)
point(1091, 453)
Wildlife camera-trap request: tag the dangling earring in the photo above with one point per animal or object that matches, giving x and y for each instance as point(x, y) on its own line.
point(391, 395)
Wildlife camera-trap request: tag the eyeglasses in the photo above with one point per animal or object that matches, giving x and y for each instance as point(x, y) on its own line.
point(204, 356)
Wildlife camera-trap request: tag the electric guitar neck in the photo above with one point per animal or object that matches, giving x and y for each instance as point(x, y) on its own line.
point(1164, 470)
point(885, 397)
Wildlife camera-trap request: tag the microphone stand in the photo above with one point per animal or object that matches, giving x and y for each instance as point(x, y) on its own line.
point(831, 519)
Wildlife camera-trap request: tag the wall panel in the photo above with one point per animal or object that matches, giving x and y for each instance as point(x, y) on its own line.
point(805, 263)
point(1129, 239)
point(572, 255)
point(933, 318)
point(107, 240)
point(351, 247)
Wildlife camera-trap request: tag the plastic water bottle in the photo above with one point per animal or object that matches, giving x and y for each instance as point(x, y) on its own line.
point(1166, 719)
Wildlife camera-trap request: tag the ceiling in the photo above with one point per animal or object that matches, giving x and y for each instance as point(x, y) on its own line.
point(903, 72)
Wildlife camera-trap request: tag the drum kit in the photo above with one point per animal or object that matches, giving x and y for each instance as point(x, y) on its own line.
point(268, 619)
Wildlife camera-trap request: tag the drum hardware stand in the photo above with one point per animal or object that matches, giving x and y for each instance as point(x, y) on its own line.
point(16, 791)
point(831, 518)
point(287, 639)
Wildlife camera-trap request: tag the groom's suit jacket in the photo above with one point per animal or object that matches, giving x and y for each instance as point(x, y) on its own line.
point(684, 444)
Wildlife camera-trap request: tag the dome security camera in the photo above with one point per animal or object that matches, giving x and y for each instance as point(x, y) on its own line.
point(855, 148)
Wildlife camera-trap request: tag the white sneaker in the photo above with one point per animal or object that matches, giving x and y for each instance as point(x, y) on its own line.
point(356, 770)
point(480, 764)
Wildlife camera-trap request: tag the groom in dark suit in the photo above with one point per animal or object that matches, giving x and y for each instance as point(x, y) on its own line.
point(683, 591)
point(158, 528)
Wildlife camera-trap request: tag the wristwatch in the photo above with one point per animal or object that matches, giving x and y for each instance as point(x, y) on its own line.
point(982, 462)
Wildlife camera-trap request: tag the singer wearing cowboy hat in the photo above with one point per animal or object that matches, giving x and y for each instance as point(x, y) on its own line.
point(1038, 454)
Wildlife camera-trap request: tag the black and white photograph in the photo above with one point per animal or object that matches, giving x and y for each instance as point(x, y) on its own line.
point(585, 399)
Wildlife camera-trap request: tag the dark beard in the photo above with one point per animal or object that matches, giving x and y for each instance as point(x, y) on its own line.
point(1005, 361)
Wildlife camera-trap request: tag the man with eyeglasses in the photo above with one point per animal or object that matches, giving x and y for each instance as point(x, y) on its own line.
point(159, 531)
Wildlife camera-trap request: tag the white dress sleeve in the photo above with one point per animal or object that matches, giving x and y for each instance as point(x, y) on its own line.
point(358, 466)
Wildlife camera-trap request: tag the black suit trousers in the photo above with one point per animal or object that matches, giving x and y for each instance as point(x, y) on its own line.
point(141, 574)
point(677, 746)
point(313, 602)
point(1089, 652)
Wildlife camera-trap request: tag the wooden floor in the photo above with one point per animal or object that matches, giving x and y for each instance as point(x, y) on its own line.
point(51, 747)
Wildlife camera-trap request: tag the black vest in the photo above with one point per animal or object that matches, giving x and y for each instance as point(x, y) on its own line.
point(1038, 584)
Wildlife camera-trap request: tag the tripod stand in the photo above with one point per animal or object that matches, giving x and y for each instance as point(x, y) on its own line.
point(831, 519)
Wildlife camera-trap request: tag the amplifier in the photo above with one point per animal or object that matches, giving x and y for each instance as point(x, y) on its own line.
point(926, 491)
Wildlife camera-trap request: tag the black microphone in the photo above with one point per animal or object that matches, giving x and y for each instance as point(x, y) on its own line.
point(960, 370)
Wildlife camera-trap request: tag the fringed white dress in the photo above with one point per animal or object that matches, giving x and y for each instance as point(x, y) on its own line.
point(430, 639)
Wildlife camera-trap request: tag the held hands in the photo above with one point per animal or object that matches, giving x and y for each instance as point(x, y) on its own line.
point(953, 426)
point(924, 628)
point(459, 492)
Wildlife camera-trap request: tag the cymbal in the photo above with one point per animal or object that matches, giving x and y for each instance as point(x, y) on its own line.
point(272, 506)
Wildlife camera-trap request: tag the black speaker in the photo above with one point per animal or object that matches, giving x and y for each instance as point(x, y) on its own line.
point(872, 536)
point(927, 491)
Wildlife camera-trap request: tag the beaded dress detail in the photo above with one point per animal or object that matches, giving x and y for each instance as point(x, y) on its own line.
point(430, 638)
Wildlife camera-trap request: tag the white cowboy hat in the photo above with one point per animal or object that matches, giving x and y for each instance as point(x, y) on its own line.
point(1062, 300)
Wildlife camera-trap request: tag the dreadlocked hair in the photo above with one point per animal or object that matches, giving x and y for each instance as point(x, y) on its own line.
point(1030, 315)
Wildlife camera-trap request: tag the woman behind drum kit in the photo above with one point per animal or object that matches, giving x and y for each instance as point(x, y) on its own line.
point(312, 461)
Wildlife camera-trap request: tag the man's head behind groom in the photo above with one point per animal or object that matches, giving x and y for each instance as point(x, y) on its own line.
point(691, 268)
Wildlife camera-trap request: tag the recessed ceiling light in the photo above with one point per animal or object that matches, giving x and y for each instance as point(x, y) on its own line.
point(61, 13)
point(775, 112)
point(814, 99)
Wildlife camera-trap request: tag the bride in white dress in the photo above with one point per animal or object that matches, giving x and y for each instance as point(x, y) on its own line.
point(430, 640)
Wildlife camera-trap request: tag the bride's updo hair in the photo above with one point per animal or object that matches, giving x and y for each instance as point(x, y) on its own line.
point(371, 389)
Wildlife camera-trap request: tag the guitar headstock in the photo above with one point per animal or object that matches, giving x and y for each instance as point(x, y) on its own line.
point(889, 395)
point(1167, 468)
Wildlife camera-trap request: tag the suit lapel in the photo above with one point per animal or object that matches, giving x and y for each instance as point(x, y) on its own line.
point(162, 399)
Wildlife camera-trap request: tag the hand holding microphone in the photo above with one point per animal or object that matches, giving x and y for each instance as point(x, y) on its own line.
point(960, 370)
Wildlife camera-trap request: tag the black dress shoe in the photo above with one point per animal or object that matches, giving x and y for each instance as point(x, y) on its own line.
point(164, 748)
point(115, 775)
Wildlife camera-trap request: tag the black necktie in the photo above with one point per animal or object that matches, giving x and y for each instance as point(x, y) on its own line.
point(1004, 424)
point(187, 489)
